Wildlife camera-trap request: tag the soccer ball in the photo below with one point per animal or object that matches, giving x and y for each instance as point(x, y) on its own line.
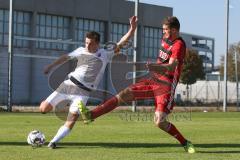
point(36, 138)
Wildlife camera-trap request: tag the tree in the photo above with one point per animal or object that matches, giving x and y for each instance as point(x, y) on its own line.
point(192, 69)
point(231, 62)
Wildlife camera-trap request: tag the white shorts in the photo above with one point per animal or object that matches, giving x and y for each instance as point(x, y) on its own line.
point(68, 91)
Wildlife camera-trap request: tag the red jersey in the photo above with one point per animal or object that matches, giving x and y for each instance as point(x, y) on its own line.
point(171, 49)
point(162, 87)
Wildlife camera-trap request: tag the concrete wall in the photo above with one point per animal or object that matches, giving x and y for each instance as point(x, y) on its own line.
point(207, 91)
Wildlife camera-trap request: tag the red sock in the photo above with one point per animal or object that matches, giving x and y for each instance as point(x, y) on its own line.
point(173, 131)
point(104, 108)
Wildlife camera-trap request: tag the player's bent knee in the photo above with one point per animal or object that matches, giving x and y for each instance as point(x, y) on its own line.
point(161, 124)
point(45, 107)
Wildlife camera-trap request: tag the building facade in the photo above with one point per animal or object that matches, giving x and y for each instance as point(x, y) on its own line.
point(46, 29)
point(205, 48)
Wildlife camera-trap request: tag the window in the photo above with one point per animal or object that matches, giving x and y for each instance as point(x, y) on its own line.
point(85, 25)
point(54, 28)
point(119, 30)
point(21, 25)
point(151, 42)
point(22, 28)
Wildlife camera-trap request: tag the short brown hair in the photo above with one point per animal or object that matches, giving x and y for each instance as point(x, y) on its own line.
point(172, 22)
point(93, 35)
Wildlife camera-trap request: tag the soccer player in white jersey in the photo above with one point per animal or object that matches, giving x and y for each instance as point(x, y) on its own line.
point(92, 61)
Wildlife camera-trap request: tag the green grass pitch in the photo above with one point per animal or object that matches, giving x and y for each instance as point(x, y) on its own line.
point(123, 135)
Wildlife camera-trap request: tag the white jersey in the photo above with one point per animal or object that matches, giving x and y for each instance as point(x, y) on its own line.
point(90, 66)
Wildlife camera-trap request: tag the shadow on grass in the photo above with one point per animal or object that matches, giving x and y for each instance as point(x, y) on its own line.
point(128, 145)
point(237, 152)
point(135, 145)
point(100, 144)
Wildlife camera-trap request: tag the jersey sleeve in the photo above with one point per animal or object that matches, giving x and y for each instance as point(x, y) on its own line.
point(178, 51)
point(75, 53)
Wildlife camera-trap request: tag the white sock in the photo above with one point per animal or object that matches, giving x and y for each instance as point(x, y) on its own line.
point(62, 132)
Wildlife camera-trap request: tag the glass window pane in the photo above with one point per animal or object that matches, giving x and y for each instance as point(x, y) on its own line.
point(41, 45)
point(65, 47)
point(54, 33)
point(115, 28)
point(146, 32)
point(25, 43)
point(15, 42)
point(80, 24)
point(15, 28)
point(20, 17)
point(81, 36)
point(6, 16)
point(125, 28)
point(54, 21)
point(37, 30)
point(59, 46)
point(26, 30)
point(19, 43)
point(49, 20)
point(115, 38)
point(42, 20)
point(15, 17)
point(66, 22)
point(65, 33)
point(150, 52)
point(60, 21)
point(5, 39)
point(48, 45)
point(27, 18)
point(120, 29)
point(151, 32)
point(1, 39)
point(86, 24)
point(1, 15)
point(5, 27)
point(146, 41)
point(20, 29)
point(48, 31)
point(60, 33)
point(97, 26)
point(42, 31)
point(155, 43)
point(1, 27)
point(91, 27)
point(102, 27)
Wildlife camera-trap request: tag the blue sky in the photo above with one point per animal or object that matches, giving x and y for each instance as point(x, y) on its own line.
point(206, 18)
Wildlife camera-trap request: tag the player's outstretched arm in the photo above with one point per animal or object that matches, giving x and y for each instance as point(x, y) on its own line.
point(133, 25)
point(162, 68)
point(58, 61)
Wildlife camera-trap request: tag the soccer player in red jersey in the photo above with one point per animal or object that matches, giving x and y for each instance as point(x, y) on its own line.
point(161, 85)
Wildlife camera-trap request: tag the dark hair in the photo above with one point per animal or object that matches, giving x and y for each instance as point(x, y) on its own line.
point(172, 22)
point(93, 35)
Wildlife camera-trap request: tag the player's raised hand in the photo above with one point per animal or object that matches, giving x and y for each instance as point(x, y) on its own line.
point(133, 22)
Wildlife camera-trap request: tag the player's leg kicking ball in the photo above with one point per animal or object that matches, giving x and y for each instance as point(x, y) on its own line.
point(85, 113)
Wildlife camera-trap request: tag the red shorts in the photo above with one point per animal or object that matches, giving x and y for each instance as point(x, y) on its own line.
point(148, 89)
